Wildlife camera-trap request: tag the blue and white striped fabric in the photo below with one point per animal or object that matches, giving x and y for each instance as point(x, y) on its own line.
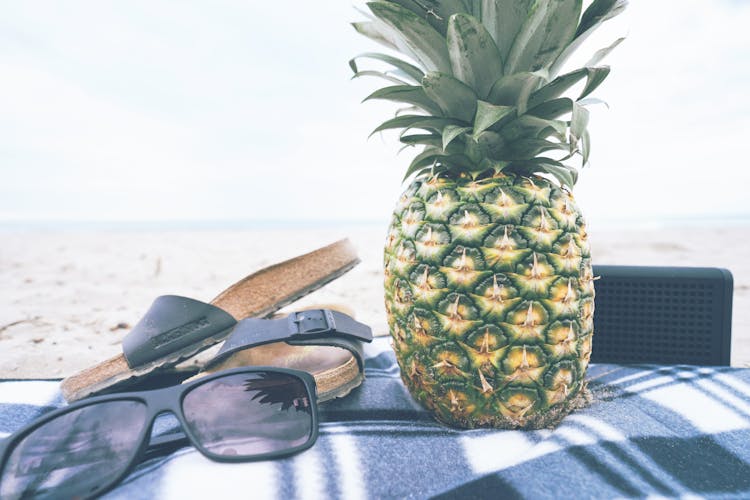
point(660, 432)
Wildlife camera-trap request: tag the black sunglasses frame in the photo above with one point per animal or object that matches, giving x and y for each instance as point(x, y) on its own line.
point(169, 400)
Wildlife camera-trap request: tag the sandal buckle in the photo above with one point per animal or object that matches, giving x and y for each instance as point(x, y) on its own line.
point(314, 321)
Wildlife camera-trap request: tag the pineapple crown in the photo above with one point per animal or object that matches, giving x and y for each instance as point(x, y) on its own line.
point(484, 94)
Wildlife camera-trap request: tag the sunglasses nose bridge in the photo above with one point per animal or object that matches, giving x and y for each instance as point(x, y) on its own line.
point(172, 407)
point(166, 400)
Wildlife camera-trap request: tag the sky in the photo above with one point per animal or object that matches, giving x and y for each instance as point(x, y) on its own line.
point(242, 110)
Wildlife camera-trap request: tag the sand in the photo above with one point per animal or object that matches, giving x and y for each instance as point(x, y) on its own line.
point(68, 297)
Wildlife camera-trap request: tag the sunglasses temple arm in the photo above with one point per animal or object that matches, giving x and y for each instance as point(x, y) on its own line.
point(166, 444)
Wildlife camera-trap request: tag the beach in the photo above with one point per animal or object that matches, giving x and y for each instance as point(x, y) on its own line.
point(69, 296)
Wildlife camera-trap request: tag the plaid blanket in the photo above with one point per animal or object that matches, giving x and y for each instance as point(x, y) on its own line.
point(677, 431)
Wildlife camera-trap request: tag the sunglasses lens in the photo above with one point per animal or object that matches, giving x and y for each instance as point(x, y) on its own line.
point(75, 455)
point(250, 414)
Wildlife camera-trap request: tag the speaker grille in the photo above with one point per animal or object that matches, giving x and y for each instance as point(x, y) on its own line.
point(666, 315)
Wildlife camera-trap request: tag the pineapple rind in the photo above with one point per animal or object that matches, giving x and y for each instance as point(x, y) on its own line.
point(490, 310)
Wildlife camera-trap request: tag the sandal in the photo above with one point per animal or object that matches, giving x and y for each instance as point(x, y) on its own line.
point(177, 328)
point(323, 342)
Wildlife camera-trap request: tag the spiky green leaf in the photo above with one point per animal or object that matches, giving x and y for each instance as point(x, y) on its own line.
point(585, 147)
point(422, 39)
point(488, 115)
point(423, 139)
point(590, 101)
point(558, 86)
point(496, 166)
point(425, 172)
point(416, 6)
point(565, 175)
point(450, 132)
point(371, 31)
point(412, 71)
point(549, 128)
point(594, 78)
point(398, 122)
point(578, 121)
point(552, 109)
point(503, 20)
point(474, 57)
point(432, 123)
point(529, 126)
point(436, 12)
point(527, 149)
point(531, 29)
point(602, 53)
point(558, 33)
point(428, 156)
point(408, 94)
point(549, 28)
point(598, 12)
point(511, 89)
point(454, 98)
point(380, 74)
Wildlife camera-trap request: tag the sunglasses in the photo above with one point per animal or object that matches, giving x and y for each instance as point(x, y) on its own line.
point(80, 451)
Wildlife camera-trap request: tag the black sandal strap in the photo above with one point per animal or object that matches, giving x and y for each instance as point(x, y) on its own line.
point(173, 323)
point(314, 327)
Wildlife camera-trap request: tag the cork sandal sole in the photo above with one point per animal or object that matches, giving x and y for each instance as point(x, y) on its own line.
point(257, 295)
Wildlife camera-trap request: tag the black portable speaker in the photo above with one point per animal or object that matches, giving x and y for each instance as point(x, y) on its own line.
point(663, 315)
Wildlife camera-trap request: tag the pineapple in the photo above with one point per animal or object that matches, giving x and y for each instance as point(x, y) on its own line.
point(488, 282)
